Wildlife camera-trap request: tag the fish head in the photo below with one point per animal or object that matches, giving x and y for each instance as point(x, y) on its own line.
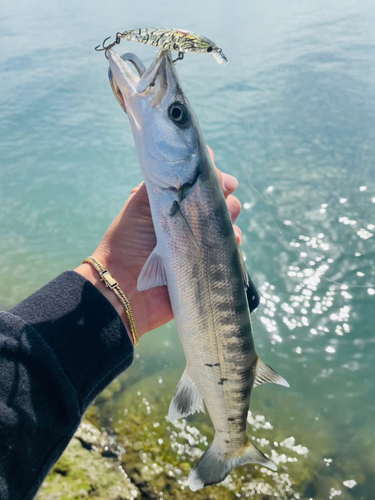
point(165, 129)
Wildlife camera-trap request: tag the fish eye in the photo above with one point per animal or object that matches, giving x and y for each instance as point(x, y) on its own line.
point(179, 113)
point(210, 49)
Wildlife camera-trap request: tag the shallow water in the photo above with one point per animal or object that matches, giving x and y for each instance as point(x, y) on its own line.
point(292, 116)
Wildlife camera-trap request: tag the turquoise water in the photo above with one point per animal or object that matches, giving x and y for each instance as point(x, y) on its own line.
point(292, 116)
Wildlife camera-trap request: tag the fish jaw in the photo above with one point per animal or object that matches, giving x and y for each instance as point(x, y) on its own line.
point(124, 85)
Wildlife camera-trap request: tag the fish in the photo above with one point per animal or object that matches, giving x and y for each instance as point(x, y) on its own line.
point(175, 39)
point(198, 258)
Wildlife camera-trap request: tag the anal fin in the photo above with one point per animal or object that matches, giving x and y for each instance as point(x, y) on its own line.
point(265, 374)
point(186, 400)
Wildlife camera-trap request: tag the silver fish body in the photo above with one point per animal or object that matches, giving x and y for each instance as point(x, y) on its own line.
point(198, 258)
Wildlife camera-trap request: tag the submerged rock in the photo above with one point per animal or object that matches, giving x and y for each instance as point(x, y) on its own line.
point(158, 455)
point(88, 470)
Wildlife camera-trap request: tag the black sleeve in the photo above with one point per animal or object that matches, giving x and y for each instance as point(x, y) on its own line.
point(58, 350)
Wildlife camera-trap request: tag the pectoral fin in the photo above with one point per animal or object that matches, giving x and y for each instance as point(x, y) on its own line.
point(186, 400)
point(265, 374)
point(153, 272)
point(183, 226)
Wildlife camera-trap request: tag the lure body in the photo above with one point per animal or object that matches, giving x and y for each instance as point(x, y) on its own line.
point(175, 39)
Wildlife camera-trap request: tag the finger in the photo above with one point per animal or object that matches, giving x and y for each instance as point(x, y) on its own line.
point(135, 189)
point(211, 153)
point(141, 192)
point(234, 207)
point(219, 173)
point(238, 233)
point(227, 181)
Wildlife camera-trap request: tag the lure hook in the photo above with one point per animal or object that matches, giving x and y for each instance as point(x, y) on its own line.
point(110, 45)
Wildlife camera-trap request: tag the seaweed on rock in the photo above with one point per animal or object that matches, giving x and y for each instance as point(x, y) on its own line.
point(85, 470)
point(158, 455)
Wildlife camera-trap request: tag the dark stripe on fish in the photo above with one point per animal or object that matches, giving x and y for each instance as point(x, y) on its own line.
point(246, 373)
point(222, 380)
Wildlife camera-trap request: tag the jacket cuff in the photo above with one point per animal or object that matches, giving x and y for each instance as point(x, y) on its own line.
point(83, 329)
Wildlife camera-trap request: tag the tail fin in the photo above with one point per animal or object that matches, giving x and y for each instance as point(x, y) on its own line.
point(214, 465)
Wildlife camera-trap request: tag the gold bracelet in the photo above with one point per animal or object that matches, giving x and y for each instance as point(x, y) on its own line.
point(111, 283)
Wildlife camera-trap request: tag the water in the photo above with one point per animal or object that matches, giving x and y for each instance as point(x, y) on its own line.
point(292, 116)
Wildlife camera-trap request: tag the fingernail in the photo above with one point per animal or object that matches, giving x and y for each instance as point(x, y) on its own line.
point(230, 183)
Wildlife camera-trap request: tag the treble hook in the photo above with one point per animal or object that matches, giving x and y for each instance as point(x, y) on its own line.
point(109, 46)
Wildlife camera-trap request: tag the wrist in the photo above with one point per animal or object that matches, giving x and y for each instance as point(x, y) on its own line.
point(92, 275)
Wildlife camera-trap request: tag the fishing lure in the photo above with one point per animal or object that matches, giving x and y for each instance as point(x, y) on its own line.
point(171, 39)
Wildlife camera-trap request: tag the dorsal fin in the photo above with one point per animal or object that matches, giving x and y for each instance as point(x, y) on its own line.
point(253, 298)
point(252, 294)
point(245, 274)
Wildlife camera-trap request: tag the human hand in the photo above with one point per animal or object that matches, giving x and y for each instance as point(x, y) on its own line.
point(127, 245)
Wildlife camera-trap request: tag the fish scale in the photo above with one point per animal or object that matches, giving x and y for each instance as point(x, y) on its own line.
point(198, 258)
point(213, 326)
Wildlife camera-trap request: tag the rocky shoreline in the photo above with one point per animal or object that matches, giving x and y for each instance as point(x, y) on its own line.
point(126, 449)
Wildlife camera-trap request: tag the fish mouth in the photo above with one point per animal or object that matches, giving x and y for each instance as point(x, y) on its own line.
point(122, 79)
point(116, 90)
point(150, 84)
